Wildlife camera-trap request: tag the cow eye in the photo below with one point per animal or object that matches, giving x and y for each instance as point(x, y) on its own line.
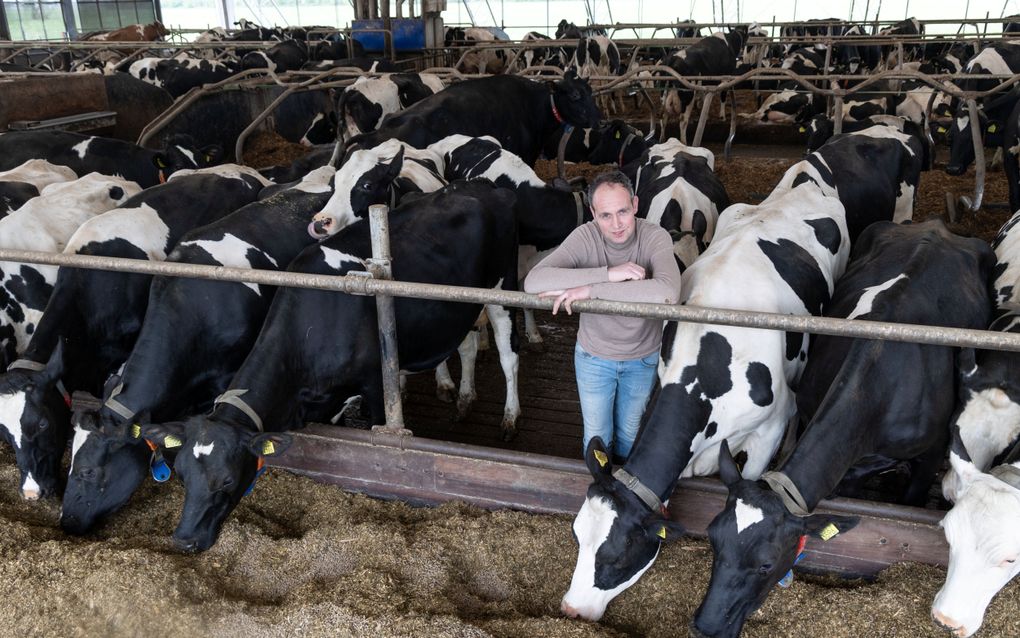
point(43, 424)
point(575, 95)
point(1009, 561)
point(765, 569)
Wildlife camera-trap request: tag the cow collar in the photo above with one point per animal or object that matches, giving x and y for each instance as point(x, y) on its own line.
point(233, 397)
point(640, 490)
point(35, 366)
point(555, 111)
point(784, 487)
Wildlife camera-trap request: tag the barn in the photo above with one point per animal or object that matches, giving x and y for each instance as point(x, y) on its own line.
point(323, 341)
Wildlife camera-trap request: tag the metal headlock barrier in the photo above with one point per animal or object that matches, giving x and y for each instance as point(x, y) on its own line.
point(430, 471)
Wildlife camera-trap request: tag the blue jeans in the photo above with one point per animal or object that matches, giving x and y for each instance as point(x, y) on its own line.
point(613, 396)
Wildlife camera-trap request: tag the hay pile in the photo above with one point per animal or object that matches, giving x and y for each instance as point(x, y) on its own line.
point(267, 148)
point(300, 558)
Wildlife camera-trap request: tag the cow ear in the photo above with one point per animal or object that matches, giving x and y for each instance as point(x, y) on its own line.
point(213, 154)
point(728, 471)
point(826, 526)
point(168, 435)
point(269, 444)
point(597, 458)
point(55, 366)
point(663, 530)
point(396, 164)
point(959, 459)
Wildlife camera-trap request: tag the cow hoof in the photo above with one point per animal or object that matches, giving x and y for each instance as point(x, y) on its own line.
point(509, 430)
point(445, 393)
point(464, 403)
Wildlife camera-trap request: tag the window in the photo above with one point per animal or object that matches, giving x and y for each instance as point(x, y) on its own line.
point(103, 15)
point(35, 20)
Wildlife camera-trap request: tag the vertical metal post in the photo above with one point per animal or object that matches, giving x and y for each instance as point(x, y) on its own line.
point(380, 268)
point(979, 158)
point(703, 118)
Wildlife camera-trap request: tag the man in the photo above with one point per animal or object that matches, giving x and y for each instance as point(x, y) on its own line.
point(619, 257)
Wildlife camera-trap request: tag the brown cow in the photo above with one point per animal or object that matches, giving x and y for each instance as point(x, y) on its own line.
point(130, 33)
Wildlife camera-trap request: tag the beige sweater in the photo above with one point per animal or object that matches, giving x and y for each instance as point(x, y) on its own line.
point(584, 258)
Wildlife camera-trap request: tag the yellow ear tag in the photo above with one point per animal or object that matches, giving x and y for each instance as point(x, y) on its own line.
point(991, 128)
point(828, 532)
point(662, 532)
point(160, 163)
point(136, 431)
point(618, 135)
point(601, 457)
point(171, 441)
point(942, 129)
point(268, 448)
point(803, 130)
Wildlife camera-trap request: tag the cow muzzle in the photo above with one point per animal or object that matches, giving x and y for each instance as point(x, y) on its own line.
point(949, 624)
point(319, 228)
point(955, 169)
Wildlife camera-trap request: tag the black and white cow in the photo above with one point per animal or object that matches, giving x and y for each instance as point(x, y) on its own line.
point(289, 55)
point(912, 273)
point(983, 546)
point(317, 349)
point(875, 172)
point(714, 55)
point(363, 105)
point(519, 113)
point(21, 184)
point(178, 75)
point(373, 65)
point(97, 314)
point(790, 104)
point(537, 56)
point(195, 335)
point(989, 388)
point(715, 382)
point(819, 131)
point(1000, 59)
point(86, 154)
point(480, 60)
point(677, 189)
point(908, 28)
point(610, 142)
point(45, 224)
point(379, 175)
point(595, 55)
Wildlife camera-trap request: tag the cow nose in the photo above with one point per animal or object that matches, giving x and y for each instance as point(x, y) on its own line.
point(189, 545)
point(954, 169)
point(569, 611)
point(946, 622)
point(31, 494)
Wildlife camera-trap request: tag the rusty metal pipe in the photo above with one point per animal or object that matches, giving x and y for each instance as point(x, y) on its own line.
point(381, 268)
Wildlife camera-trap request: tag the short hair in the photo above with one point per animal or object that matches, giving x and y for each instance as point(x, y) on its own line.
point(613, 176)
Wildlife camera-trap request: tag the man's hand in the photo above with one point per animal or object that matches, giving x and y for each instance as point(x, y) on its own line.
point(566, 297)
point(625, 272)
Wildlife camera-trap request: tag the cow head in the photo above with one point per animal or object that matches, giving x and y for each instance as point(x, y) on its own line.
point(818, 130)
point(181, 151)
point(984, 550)
point(615, 142)
point(617, 538)
point(359, 183)
point(988, 416)
point(217, 463)
point(755, 542)
point(573, 101)
point(35, 420)
point(322, 130)
point(109, 460)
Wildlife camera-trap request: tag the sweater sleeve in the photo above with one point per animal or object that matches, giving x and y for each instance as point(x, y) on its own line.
point(662, 284)
point(562, 269)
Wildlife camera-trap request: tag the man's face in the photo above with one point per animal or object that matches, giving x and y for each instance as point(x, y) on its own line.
point(614, 211)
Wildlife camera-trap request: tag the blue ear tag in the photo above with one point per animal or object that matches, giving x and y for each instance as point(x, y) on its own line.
point(785, 581)
point(251, 487)
point(160, 470)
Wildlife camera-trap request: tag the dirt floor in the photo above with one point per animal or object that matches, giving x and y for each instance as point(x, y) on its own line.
point(300, 558)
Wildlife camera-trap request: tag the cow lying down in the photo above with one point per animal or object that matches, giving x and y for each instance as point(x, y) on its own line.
point(915, 273)
point(22, 183)
point(318, 348)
